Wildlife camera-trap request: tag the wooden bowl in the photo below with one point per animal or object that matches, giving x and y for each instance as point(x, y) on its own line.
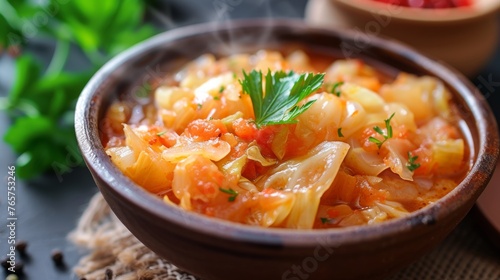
point(216, 249)
point(465, 38)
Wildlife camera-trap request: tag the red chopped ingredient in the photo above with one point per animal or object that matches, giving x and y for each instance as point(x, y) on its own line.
point(332, 213)
point(168, 138)
point(424, 155)
point(203, 130)
point(429, 4)
point(253, 169)
point(207, 177)
point(265, 138)
point(245, 129)
point(249, 171)
point(364, 139)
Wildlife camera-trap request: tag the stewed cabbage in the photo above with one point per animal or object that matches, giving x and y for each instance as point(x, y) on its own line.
point(359, 149)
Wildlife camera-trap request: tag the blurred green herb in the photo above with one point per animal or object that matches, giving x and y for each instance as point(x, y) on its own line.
point(339, 132)
point(233, 194)
point(387, 136)
point(335, 88)
point(326, 220)
point(41, 102)
point(412, 165)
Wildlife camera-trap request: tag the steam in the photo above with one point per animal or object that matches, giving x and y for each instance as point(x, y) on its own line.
point(220, 13)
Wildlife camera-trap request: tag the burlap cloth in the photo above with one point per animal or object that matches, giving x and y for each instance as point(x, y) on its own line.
point(465, 254)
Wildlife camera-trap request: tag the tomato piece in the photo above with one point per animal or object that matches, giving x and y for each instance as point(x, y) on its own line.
point(206, 177)
point(365, 142)
point(249, 171)
point(157, 136)
point(203, 130)
point(245, 129)
point(333, 213)
point(294, 146)
point(168, 138)
point(424, 159)
point(265, 138)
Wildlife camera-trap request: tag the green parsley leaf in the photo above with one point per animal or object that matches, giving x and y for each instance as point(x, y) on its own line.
point(103, 28)
point(336, 88)
point(376, 141)
point(339, 132)
point(325, 220)
point(233, 194)
point(41, 104)
point(278, 104)
point(42, 144)
point(8, 34)
point(412, 165)
point(161, 133)
point(389, 126)
point(377, 129)
point(221, 89)
point(27, 71)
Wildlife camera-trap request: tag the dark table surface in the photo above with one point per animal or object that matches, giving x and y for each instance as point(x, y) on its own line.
point(47, 208)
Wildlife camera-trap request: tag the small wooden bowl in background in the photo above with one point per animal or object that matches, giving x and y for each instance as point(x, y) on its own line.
point(464, 38)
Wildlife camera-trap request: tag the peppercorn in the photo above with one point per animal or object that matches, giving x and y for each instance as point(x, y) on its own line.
point(57, 257)
point(5, 263)
point(18, 268)
point(21, 247)
point(109, 274)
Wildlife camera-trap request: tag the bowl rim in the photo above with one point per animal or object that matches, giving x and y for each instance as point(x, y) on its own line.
point(86, 126)
point(480, 9)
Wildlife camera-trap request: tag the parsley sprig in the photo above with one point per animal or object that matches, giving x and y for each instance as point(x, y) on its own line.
point(381, 132)
point(412, 165)
point(283, 91)
point(233, 194)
